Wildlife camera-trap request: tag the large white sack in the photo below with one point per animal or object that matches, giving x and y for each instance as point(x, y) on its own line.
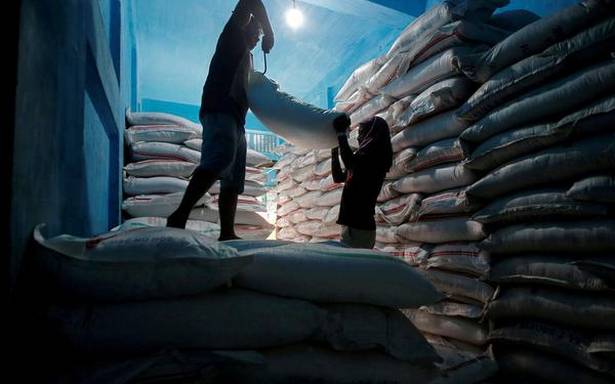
point(441, 14)
point(242, 216)
point(387, 192)
point(209, 229)
point(309, 200)
point(323, 168)
point(439, 127)
point(195, 144)
point(287, 233)
point(157, 118)
point(151, 168)
point(437, 68)
point(387, 234)
point(329, 199)
point(393, 112)
point(436, 179)
point(370, 109)
point(165, 151)
point(398, 210)
point(466, 258)
point(585, 348)
point(460, 287)
point(537, 36)
point(453, 202)
point(355, 327)
point(231, 319)
point(318, 214)
point(536, 205)
point(206, 228)
point(301, 124)
point(325, 273)
point(303, 174)
point(257, 175)
point(546, 102)
point(593, 119)
point(453, 309)
point(138, 264)
point(328, 184)
point(244, 203)
point(400, 164)
point(253, 158)
point(411, 253)
point(297, 217)
point(565, 236)
point(312, 184)
point(442, 231)
point(286, 160)
point(441, 152)
point(440, 97)
point(589, 46)
point(513, 20)
point(456, 328)
point(558, 271)
point(595, 189)
point(287, 208)
point(318, 229)
point(156, 205)
point(551, 165)
point(332, 215)
point(251, 188)
point(134, 186)
point(565, 307)
point(159, 133)
point(451, 35)
point(307, 363)
point(359, 77)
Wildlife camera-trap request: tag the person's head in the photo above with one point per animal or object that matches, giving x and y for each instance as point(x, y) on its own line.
point(375, 141)
point(252, 33)
point(373, 128)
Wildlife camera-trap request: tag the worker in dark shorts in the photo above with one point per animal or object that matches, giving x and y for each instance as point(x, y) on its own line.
point(363, 178)
point(224, 106)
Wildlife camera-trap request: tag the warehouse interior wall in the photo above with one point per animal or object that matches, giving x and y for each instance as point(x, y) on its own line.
point(176, 41)
point(75, 80)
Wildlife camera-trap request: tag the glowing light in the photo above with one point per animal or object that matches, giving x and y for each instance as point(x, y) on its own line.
point(294, 18)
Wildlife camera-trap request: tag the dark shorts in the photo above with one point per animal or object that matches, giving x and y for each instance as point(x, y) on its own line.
point(224, 150)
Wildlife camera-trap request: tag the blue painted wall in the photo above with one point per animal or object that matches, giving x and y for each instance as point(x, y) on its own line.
point(75, 79)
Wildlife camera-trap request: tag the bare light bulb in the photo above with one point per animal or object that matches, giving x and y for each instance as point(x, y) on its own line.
point(294, 18)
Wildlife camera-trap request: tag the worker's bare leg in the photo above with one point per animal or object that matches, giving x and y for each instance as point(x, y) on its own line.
point(227, 207)
point(200, 183)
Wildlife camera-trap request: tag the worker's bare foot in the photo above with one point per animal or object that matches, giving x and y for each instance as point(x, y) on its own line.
point(229, 237)
point(176, 221)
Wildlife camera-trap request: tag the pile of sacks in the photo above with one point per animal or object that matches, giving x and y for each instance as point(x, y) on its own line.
point(423, 215)
point(308, 199)
point(541, 138)
point(163, 151)
point(154, 303)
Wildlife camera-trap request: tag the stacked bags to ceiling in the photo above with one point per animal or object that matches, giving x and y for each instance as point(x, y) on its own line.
point(140, 299)
point(164, 151)
point(541, 138)
point(423, 215)
point(308, 199)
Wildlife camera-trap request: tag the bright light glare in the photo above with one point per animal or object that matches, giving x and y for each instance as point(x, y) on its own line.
point(294, 18)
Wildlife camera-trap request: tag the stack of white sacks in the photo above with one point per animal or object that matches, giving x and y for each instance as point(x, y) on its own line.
point(308, 199)
point(151, 304)
point(541, 138)
point(423, 215)
point(164, 150)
